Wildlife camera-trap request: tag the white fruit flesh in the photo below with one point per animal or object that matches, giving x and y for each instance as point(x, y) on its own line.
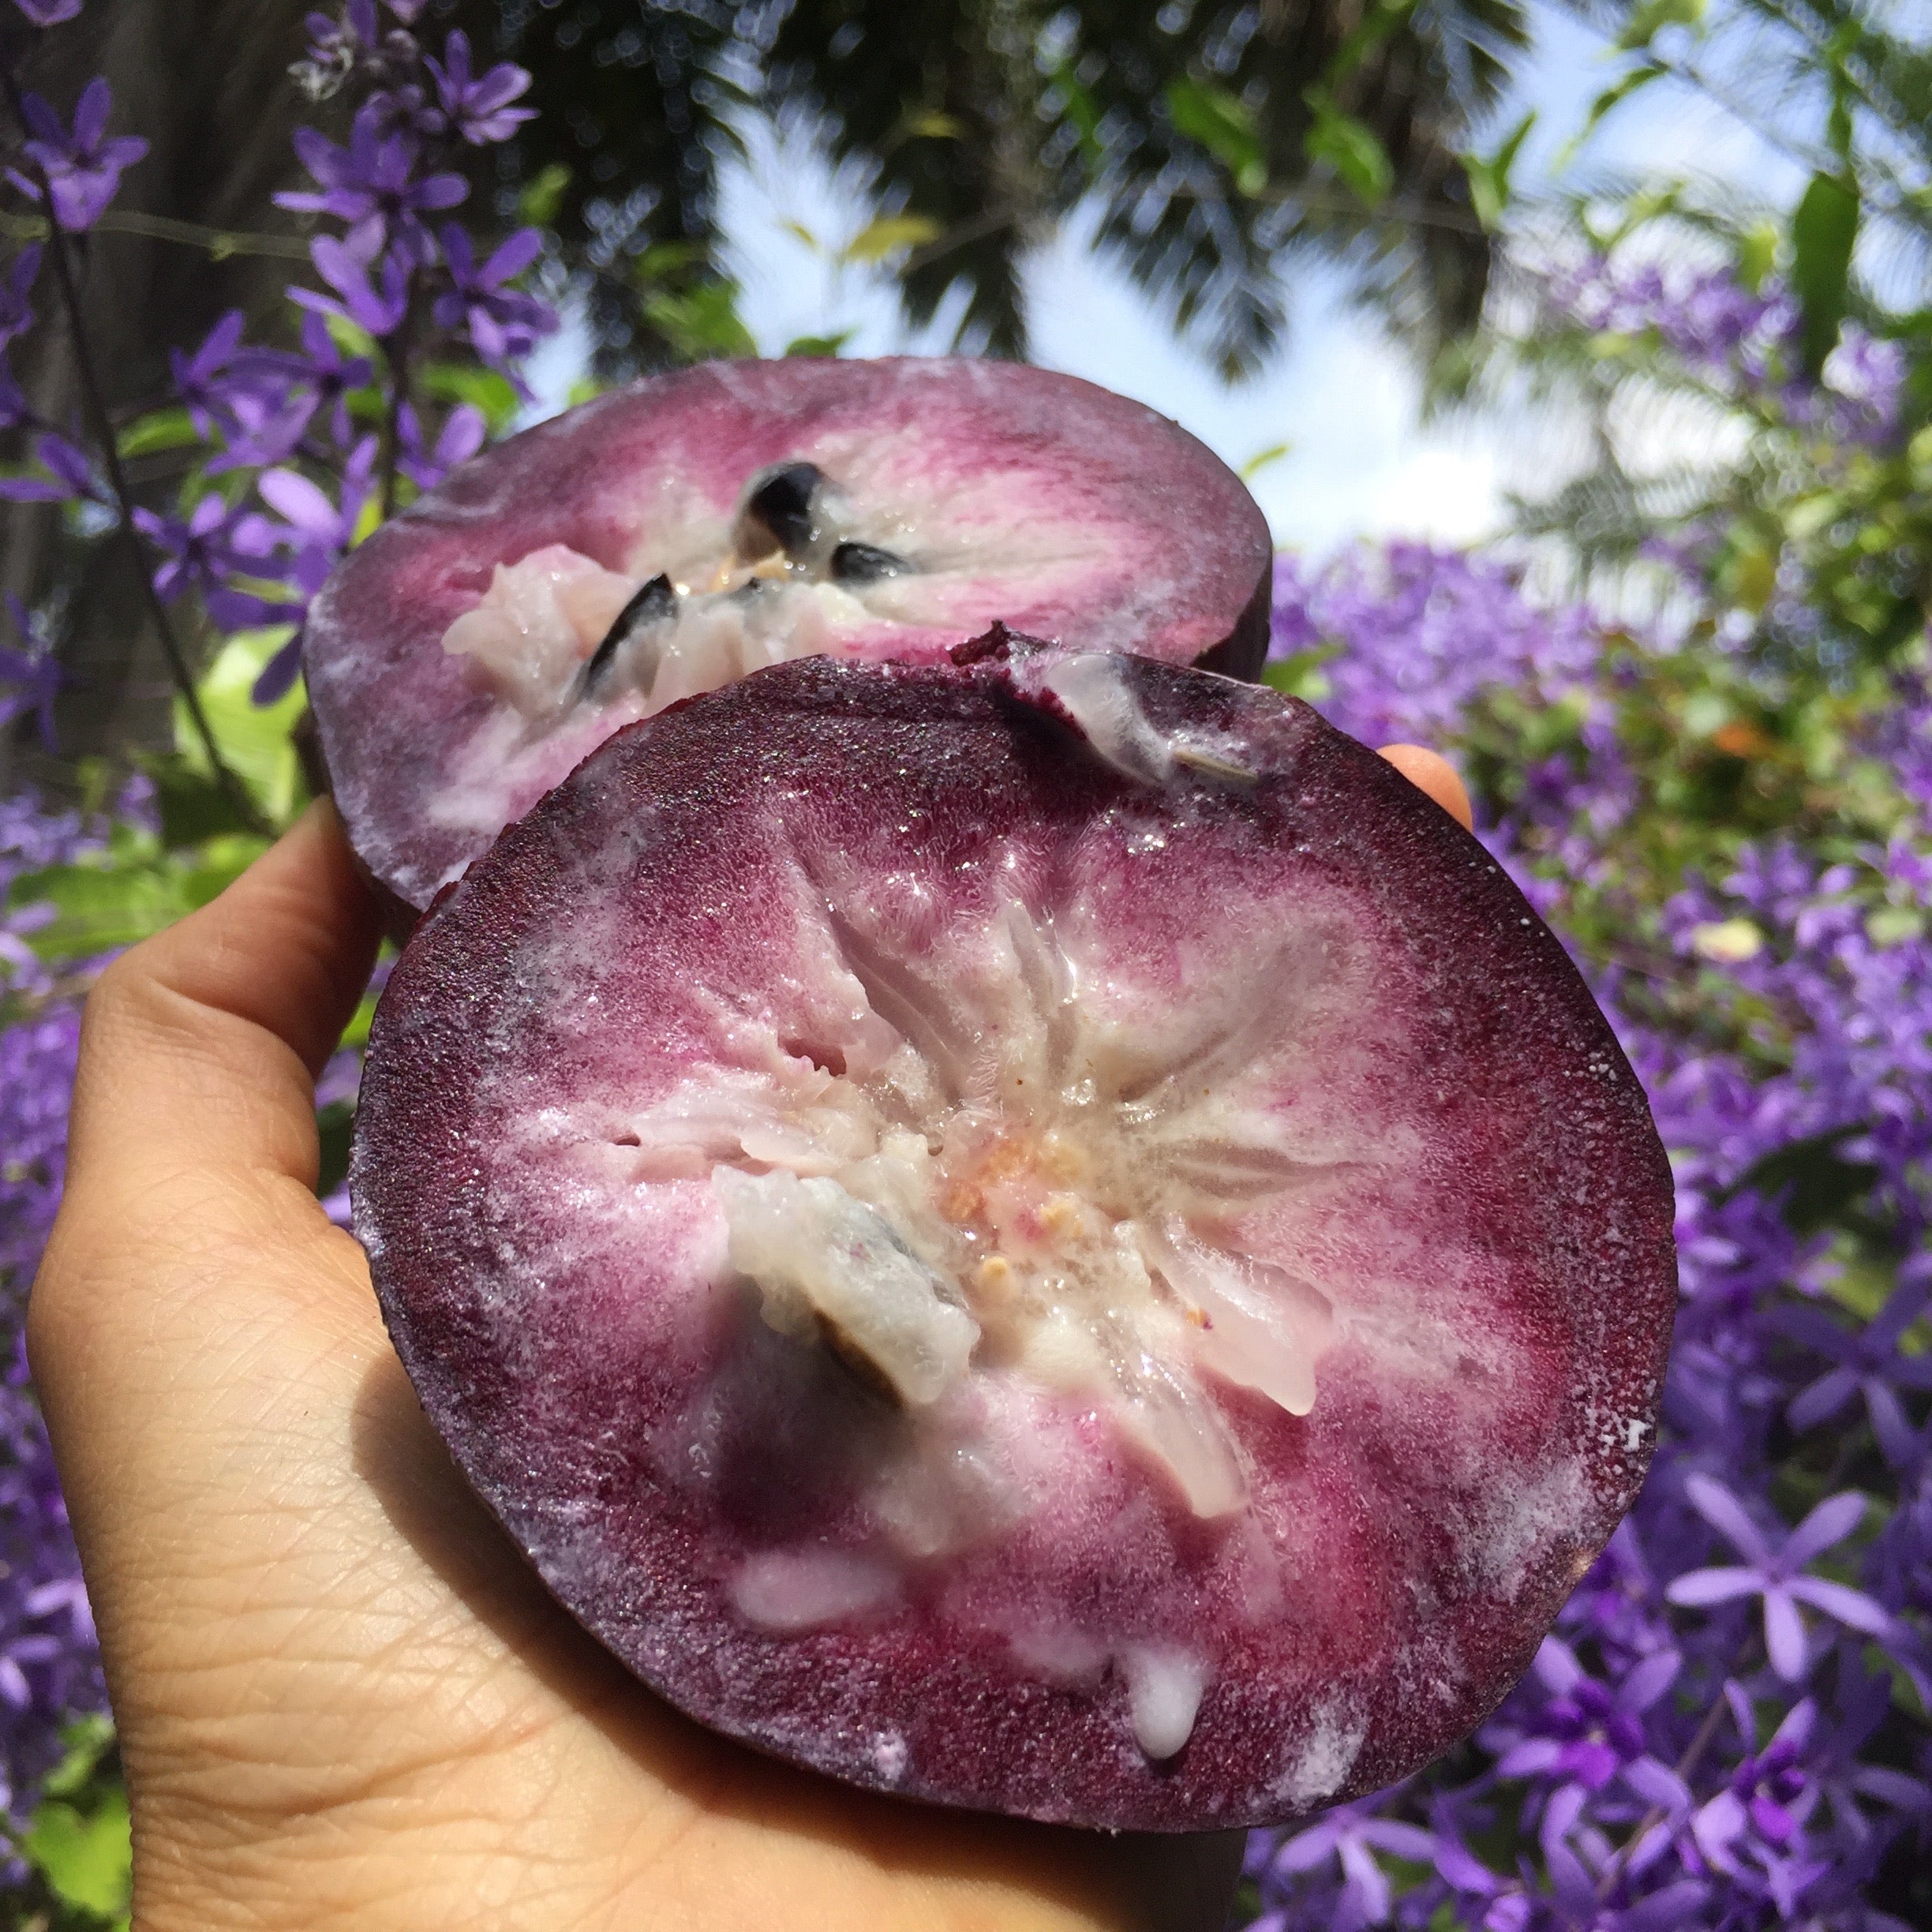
point(1001, 1197)
point(740, 607)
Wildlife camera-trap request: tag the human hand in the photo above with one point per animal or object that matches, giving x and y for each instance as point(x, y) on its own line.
point(342, 1698)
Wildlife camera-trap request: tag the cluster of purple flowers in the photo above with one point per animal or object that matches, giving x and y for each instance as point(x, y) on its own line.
point(307, 443)
point(1726, 1730)
point(50, 1664)
point(1742, 345)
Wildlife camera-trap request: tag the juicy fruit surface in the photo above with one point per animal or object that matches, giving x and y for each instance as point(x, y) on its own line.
point(675, 535)
point(1052, 1237)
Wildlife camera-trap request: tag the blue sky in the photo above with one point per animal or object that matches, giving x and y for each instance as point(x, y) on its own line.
point(1359, 463)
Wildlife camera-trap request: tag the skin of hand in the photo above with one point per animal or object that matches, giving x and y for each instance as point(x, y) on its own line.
point(343, 1700)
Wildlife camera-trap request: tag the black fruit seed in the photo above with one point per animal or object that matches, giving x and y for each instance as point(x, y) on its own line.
point(863, 562)
point(652, 604)
point(781, 505)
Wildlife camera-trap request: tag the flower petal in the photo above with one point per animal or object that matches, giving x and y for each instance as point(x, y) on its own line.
point(1701, 1587)
point(1727, 1516)
point(1784, 1635)
point(1831, 1521)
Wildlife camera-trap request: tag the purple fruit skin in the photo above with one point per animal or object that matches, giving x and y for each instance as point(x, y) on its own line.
point(390, 704)
point(1567, 1179)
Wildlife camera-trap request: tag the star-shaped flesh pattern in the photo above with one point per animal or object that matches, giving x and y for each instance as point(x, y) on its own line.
point(469, 655)
point(1048, 1238)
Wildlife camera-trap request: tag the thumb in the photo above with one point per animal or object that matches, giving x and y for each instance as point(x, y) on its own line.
point(200, 1047)
point(194, 1126)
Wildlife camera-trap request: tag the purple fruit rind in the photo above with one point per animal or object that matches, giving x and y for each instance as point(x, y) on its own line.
point(1193, 581)
point(561, 1377)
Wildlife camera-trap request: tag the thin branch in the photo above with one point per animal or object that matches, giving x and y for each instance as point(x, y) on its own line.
point(396, 348)
point(1655, 1815)
point(94, 401)
point(1399, 214)
point(220, 243)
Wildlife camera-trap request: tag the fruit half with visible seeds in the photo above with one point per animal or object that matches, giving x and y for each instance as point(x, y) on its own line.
point(679, 533)
point(1050, 1237)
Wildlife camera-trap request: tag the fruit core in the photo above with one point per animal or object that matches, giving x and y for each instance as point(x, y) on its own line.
point(798, 569)
point(1002, 1185)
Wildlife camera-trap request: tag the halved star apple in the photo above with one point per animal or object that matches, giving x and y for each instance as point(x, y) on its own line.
point(1049, 1235)
point(683, 532)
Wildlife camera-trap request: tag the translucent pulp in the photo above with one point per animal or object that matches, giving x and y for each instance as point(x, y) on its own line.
point(998, 1184)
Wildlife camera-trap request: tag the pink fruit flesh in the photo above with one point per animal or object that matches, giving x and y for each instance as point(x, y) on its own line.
point(446, 658)
point(1050, 1237)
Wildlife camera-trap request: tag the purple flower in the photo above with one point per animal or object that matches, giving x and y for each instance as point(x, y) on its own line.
point(253, 400)
point(478, 105)
point(1351, 1834)
point(1589, 1733)
point(462, 435)
point(1762, 1809)
point(334, 47)
point(331, 376)
point(1867, 1362)
point(316, 529)
point(379, 311)
point(278, 676)
point(16, 315)
point(48, 12)
point(373, 184)
point(505, 324)
point(407, 112)
point(1777, 1575)
point(16, 411)
point(82, 168)
point(202, 555)
point(29, 679)
point(70, 476)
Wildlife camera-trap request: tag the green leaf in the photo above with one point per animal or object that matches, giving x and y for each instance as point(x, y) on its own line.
point(819, 345)
point(1351, 148)
point(194, 808)
point(666, 261)
point(888, 234)
point(1822, 1185)
point(159, 430)
point(1756, 254)
point(350, 338)
point(1084, 112)
point(1892, 925)
point(334, 1129)
point(1220, 122)
point(1653, 16)
point(1613, 97)
point(1375, 26)
point(702, 322)
point(96, 909)
point(1300, 674)
point(88, 1740)
point(481, 388)
point(930, 124)
point(1489, 179)
point(542, 198)
point(1824, 232)
point(254, 739)
point(86, 1859)
point(1262, 458)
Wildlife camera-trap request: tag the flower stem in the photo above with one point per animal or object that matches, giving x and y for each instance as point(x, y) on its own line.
point(1655, 1816)
point(94, 402)
point(398, 349)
